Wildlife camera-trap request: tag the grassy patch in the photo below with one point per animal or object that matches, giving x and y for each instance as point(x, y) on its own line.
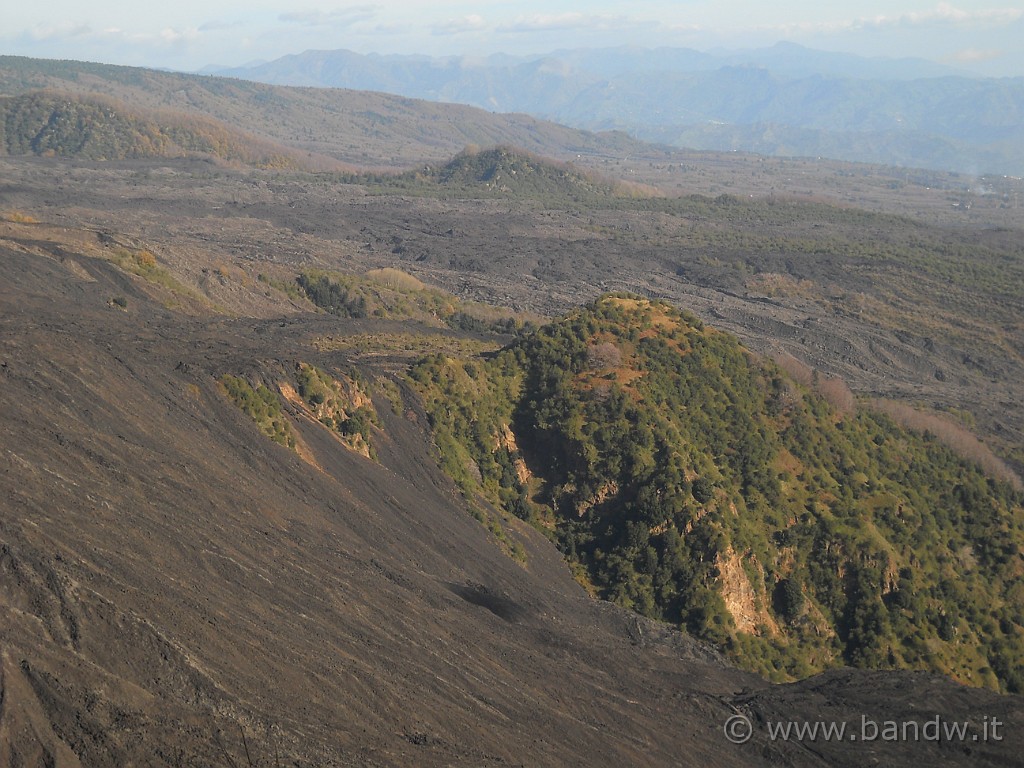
point(262, 405)
point(145, 265)
point(404, 346)
point(17, 217)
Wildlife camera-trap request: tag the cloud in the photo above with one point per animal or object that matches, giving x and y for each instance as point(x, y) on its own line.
point(944, 14)
point(42, 32)
point(83, 33)
point(342, 17)
point(219, 26)
point(561, 21)
point(394, 28)
point(171, 36)
point(471, 23)
point(947, 13)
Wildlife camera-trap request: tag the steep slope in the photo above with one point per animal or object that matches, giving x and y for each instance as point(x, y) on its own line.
point(169, 574)
point(694, 484)
point(178, 589)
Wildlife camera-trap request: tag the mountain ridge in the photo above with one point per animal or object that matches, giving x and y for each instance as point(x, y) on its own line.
point(868, 111)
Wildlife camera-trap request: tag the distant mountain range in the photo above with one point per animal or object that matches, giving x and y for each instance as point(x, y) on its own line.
point(784, 100)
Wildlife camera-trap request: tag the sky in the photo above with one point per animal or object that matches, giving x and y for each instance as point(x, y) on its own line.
point(977, 36)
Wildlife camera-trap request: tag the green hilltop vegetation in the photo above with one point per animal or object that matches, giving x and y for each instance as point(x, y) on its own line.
point(695, 483)
point(96, 128)
point(390, 293)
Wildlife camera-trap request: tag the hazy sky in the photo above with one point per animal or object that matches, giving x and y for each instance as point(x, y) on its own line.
point(986, 37)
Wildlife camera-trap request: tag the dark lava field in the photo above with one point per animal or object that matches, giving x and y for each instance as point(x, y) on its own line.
point(176, 590)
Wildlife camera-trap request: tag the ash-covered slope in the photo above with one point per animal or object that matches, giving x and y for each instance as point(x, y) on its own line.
point(171, 580)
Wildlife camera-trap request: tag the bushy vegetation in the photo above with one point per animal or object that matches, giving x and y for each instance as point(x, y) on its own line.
point(143, 263)
point(262, 405)
point(341, 405)
point(97, 128)
point(391, 293)
point(670, 466)
point(289, 288)
point(138, 262)
point(505, 326)
point(18, 217)
point(330, 296)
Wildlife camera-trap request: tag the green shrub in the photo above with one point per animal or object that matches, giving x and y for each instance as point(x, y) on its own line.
point(262, 405)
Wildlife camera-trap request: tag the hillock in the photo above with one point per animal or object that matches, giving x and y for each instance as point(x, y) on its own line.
point(504, 172)
point(390, 293)
point(689, 480)
point(512, 172)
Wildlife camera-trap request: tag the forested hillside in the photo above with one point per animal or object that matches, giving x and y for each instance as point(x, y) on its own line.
point(49, 125)
point(689, 480)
